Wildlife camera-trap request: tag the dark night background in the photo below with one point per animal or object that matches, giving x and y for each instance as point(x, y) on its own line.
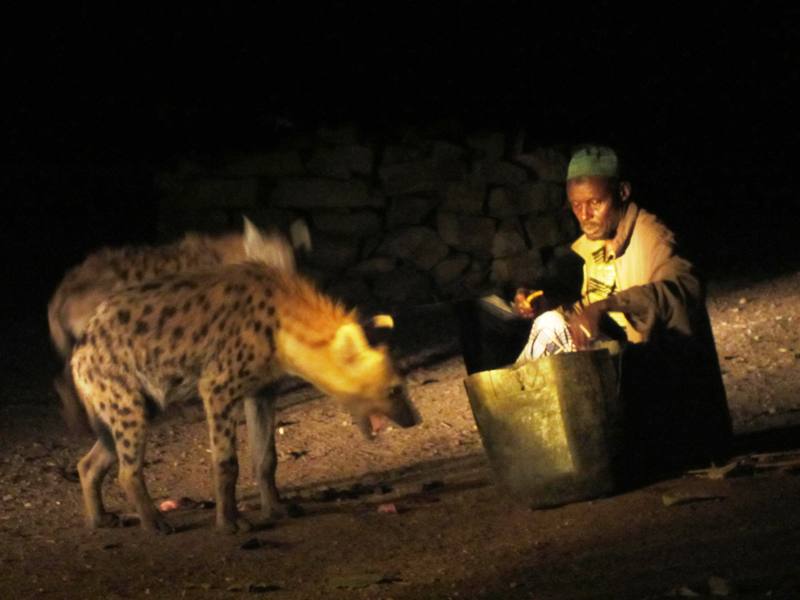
point(700, 101)
point(699, 98)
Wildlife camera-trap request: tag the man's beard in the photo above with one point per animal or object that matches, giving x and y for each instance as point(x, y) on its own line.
point(593, 233)
point(598, 232)
point(604, 230)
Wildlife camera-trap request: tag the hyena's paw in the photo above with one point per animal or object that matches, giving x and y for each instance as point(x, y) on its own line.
point(237, 525)
point(272, 507)
point(105, 520)
point(274, 511)
point(158, 525)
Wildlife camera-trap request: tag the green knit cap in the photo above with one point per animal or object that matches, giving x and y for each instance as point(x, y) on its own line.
point(600, 161)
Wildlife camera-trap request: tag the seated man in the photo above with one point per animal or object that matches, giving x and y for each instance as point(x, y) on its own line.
point(630, 267)
point(637, 288)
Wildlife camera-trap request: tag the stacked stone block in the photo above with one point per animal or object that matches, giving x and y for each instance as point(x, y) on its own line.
point(403, 218)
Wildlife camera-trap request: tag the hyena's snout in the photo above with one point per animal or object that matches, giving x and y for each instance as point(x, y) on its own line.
point(396, 407)
point(402, 411)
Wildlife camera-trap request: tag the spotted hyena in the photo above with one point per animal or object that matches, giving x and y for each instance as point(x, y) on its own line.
point(223, 335)
point(85, 286)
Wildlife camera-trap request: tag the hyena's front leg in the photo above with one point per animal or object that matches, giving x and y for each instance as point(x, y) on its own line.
point(130, 438)
point(260, 414)
point(92, 469)
point(222, 431)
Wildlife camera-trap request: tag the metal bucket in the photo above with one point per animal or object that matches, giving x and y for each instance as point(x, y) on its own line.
point(551, 427)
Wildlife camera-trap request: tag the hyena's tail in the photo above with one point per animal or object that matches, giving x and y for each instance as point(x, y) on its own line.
point(73, 411)
point(62, 338)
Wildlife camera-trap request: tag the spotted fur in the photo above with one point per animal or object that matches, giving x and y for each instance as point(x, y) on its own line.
point(224, 335)
point(85, 286)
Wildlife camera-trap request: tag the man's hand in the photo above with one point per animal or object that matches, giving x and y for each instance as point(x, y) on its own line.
point(584, 326)
point(528, 303)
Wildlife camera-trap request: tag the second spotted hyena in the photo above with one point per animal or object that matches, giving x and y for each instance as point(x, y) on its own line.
point(223, 335)
point(86, 285)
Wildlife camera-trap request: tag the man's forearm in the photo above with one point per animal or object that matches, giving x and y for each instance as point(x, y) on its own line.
point(666, 302)
point(637, 300)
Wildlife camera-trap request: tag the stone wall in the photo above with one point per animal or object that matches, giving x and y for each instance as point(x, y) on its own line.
point(413, 217)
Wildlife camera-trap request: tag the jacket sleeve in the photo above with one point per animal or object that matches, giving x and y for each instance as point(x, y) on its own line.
point(670, 298)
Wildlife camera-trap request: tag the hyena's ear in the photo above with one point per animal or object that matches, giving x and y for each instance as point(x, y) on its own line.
point(382, 321)
point(271, 249)
point(252, 234)
point(349, 343)
point(300, 236)
point(378, 329)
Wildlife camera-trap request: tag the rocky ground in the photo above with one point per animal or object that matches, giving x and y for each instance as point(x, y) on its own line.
point(415, 513)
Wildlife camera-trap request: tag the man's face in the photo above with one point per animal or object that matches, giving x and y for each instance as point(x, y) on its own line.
point(596, 203)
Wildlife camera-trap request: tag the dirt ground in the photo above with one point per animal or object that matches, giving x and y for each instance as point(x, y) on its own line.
point(415, 513)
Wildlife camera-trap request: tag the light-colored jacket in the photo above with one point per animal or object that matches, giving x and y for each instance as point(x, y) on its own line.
point(655, 286)
point(671, 380)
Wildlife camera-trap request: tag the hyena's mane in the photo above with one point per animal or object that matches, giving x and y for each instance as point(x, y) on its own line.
point(308, 312)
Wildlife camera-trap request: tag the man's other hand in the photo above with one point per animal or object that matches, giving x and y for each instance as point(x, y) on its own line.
point(584, 325)
point(528, 303)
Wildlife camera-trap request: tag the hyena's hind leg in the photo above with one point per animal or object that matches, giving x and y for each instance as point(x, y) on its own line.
point(218, 402)
point(260, 415)
point(92, 469)
point(130, 437)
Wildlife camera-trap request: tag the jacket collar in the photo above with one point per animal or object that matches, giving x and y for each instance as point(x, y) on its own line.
point(622, 238)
